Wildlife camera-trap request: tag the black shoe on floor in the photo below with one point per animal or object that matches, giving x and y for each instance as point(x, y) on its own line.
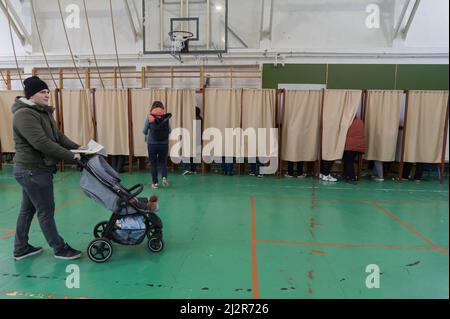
point(351, 181)
point(30, 251)
point(68, 253)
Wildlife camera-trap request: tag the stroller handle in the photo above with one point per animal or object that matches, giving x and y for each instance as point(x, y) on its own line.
point(82, 161)
point(137, 188)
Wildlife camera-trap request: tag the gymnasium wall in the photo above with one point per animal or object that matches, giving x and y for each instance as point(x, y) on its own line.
point(359, 76)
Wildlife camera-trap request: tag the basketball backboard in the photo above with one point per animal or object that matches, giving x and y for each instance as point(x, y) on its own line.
point(207, 20)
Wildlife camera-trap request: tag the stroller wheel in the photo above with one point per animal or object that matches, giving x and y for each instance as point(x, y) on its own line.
point(99, 229)
point(155, 244)
point(100, 250)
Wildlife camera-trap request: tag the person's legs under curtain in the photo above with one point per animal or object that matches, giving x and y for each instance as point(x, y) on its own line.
point(349, 165)
point(419, 172)
point(378, 171)
point(407, 167)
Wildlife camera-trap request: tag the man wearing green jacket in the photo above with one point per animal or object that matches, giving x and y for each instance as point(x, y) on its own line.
point(39, 147)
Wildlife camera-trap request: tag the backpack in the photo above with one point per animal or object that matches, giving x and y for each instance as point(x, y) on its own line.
point(161, 128)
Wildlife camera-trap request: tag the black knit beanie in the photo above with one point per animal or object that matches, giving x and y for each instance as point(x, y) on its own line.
point(34, 85)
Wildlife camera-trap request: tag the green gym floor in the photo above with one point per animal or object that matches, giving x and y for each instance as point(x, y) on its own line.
point(244, 238)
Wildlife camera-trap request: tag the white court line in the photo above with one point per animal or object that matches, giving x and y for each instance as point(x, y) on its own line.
point(357, 189)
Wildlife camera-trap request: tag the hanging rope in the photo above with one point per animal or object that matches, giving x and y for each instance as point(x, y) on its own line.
point(40, 41)
point(13, 45)
point(92, 44)
point(68, 43)
point(115, 41)
point(3, 77)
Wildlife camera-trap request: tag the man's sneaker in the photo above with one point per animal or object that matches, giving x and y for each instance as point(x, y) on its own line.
point(186, 172)
point(260, 175)
point(301, 176)
point(252, 174)
point(68, 253)
point(155, 186)
point(31, 251)
point(378, 179)
point(288, 176)
point(329, 178)
point(165, 182)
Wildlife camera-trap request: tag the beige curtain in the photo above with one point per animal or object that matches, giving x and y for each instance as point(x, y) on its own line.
point(189, 104)
point(181, 103)
point(142, 101)
point(112, 120)
point(301, 126)
point(259, 111)
point(381, 124)
point(425, 126)
point(175, 107)
point(7, 99)
point(77, 113)
point(223, 110)
point(339, 110)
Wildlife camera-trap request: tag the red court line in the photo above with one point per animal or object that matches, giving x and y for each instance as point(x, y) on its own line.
point(12, 231)
point(312, 244)
point(436, 247)
point(254, 258)
point(9, 233)
point(65, 205)
point(68, 203)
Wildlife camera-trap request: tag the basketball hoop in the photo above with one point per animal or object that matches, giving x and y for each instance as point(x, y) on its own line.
point(180, 41)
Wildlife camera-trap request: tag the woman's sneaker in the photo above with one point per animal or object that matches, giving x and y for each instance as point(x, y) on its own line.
point(30, 251)
point(68, 253)
point(165, 182)
point(329, 178)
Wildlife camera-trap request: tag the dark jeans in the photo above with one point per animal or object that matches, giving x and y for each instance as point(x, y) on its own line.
point(37, 196)
point(118, 163)
point(407, 167)
point(190, 166)
point(157, 153)
point(227, 168)
point(349, 164)
point(255, 167)
point(299, 168)
point(326, 167)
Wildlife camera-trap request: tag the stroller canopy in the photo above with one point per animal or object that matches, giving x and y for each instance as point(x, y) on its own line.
point(101, 182)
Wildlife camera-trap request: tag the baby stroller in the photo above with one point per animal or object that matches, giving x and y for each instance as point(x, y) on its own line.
point(131, 220)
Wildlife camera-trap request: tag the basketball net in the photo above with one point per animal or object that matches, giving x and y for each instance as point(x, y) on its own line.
point(178, 41)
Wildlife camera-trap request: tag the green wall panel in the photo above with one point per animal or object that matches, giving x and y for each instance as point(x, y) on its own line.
point(293, 73)
point(422, 77)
